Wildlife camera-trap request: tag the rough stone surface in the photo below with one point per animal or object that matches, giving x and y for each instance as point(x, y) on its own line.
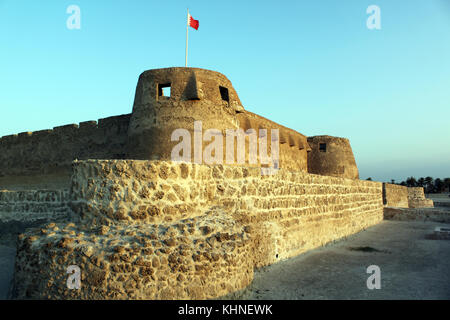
point(405, 197)
point(166, 230)
point(24, 209)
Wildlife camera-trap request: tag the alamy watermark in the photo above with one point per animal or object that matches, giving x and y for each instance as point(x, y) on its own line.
point(74, 20)
point(374, 281)
point(213, 152)
point(374, 20)
point(74, 280)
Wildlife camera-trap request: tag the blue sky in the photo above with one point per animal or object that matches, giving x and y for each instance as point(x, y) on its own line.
point(313, 66)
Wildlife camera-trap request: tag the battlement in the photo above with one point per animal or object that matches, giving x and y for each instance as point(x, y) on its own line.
point(120, 122)
point(49, 153)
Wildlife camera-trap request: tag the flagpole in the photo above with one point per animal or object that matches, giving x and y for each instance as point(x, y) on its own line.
point(187, 36)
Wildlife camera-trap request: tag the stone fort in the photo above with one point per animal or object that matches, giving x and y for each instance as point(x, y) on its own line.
point(105, 197)
point(43, 158)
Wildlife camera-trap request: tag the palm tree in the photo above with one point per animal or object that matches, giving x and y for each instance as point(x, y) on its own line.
point(447, 183)
point(420, 182)
point(439, 185)
point(411, 182)
point(429, 184)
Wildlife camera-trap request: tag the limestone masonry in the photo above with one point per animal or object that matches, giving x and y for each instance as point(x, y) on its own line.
point(106, 196)
point(416, 198)
point(395, 195)
point(164, 230)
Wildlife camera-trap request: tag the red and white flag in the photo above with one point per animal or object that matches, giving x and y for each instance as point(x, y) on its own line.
point(192, 22)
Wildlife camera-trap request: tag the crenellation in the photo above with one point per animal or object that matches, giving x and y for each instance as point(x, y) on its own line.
point(41, 134)
point(48, 153)
point(85, 125)
point(119, 121)
point(68, 129)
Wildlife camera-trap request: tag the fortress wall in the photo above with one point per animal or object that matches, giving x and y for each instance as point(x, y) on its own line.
point(165, 230)
point(416, 198)
point(143, 192)
point(42, 159)
point(23, 209)
point(293, 146)
point(395, 195)
point(162, 119)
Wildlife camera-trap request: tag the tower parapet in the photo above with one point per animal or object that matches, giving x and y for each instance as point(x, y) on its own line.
point(173, 98)
point(332, 156)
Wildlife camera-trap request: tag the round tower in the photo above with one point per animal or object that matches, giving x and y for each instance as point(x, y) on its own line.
point(332, 156)
point(173, 98)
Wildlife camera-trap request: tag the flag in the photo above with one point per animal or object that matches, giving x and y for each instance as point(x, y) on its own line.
point(192, 22)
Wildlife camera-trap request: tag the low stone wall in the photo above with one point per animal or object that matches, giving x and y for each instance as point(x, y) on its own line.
point(441, 204)
point(395, 195)
point(416, 198)
point(164, 230)
point(23, 209)
point(417, 214)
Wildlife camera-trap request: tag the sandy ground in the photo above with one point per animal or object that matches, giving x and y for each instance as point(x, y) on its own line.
point(439, 197)
point(412, 267)
point(7, 256)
